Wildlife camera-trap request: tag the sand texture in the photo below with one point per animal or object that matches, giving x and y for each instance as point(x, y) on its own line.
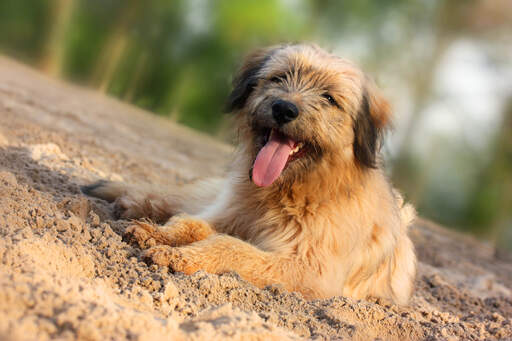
point(66, 273)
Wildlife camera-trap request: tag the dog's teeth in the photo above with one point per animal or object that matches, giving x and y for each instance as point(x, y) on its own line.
point(295, 150)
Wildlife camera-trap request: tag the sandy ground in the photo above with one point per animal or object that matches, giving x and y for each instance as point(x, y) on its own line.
point(66, 273)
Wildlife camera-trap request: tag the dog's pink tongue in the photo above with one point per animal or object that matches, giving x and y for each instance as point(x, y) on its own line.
point(271, 159)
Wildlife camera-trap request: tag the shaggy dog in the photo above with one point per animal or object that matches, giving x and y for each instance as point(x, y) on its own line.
point(305, 203)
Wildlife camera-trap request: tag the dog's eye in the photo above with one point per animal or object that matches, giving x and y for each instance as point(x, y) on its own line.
point(330, 99)
point(276, 79)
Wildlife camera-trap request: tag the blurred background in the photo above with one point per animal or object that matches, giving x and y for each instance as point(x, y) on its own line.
point(446, 66)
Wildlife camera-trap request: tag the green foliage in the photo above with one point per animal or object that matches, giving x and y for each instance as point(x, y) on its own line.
point(86, 36)
point(23, 27)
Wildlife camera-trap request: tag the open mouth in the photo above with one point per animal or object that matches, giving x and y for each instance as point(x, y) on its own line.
point(278, 151)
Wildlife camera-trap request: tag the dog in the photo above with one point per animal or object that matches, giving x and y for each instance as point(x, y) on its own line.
point(305, 203)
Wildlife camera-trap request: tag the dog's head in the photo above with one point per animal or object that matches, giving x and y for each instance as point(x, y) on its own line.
point(299, 105)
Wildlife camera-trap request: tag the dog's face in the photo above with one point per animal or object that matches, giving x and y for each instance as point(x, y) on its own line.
point(300, 106)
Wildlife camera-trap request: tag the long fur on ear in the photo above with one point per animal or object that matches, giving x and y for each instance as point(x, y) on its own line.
point(373, 117)
point(247, 78)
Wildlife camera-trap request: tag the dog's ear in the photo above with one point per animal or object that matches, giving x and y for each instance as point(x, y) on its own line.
point(372, 119)
point(247, 78)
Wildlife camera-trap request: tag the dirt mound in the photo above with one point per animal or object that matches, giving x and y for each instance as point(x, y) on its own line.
point(66, 273)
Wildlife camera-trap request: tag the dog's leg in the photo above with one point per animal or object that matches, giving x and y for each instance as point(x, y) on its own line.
point(221, 253)
point(188, 244)
point(134, 202)
point(179, 230)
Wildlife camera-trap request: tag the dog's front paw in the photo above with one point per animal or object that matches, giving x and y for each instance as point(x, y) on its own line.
point(183, 229)
point(186, 223)
point(142, 233)
point(173, 257)
point(163, 255)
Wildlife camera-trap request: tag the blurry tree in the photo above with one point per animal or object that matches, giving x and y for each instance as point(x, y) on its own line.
point(115, 44)
point(491, 200)
point(24, 26)
point(53, 56)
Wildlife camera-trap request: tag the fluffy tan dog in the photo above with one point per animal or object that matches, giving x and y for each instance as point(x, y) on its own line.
point(305, 203)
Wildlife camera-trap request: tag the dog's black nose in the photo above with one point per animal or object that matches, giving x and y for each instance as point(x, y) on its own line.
point(284, 111)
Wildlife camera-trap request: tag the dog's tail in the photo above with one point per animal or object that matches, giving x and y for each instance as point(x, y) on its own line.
point(407, 215)
point(407, 211)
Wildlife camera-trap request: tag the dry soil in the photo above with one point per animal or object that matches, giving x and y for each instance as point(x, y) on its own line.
point(66, 273)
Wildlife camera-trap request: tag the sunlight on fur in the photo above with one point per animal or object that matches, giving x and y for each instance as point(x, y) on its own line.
point(305, 202)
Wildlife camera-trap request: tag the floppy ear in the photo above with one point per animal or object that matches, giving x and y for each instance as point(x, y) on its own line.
point(373, 117)
point(247, 78)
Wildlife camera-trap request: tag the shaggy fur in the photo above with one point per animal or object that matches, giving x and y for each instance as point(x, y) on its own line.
point(329, 225)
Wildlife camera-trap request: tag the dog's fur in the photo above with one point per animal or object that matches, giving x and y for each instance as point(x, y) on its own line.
point(330, 224)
